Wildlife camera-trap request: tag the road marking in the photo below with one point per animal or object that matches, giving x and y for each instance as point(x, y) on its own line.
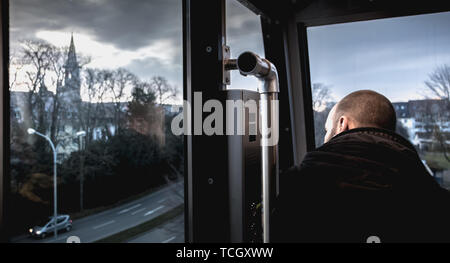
point(138, 211)
point(91, 218)
point(60, 238)
point(162, 200)
point(104, 224)
point(154, 210)
point(128, 209)
point(170, 239)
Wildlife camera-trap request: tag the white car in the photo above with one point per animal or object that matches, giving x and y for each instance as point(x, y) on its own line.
point(63, 222)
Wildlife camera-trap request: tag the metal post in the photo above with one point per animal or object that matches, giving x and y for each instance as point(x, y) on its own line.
point(55, 183)
point(80, 134)
point(269, 158)
point(55, 191)
point(249, 63)
point(81, 174)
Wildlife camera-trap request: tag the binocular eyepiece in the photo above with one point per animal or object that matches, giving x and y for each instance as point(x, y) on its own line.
point(249, 63)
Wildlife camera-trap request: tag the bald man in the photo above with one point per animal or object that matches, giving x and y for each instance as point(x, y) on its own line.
point(364, 108)
point(364, 181)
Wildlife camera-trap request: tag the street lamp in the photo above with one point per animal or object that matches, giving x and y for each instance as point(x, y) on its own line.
point(80, 134)
point(55, 194)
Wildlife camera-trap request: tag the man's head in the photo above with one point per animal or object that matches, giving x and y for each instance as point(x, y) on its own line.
point(363, 108)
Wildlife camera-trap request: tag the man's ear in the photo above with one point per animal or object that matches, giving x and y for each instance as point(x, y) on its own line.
point(343, 124)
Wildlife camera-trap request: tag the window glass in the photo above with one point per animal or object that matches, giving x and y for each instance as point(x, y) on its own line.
point(244, 33)
point(406, 59)
point(98, 80)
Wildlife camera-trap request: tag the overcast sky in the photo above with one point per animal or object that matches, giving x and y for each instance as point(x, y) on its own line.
point(143, 36)
point(393, 56)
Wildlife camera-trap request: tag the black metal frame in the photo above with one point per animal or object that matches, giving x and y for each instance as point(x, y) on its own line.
point(206, 182)
point(306, 86)
point(4, 129)
point(274, 49)
point(326, 12)
point(206, 207)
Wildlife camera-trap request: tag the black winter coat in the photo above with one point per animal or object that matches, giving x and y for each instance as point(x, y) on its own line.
point(364, 182)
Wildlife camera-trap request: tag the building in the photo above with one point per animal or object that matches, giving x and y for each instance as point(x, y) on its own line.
point(98, 119)
point(425, 120)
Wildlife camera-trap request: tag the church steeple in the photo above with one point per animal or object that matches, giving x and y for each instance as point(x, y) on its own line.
point(72, 74)
point(72, 55)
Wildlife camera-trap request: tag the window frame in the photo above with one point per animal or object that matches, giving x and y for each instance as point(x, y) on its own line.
point(5, 115)
point(327, 12)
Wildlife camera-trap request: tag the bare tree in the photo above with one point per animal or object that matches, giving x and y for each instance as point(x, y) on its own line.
point(105, 81)
point(163, 89)
point(94, 90)
point(56, 65)
point(321, 95)
point(15, 67)
point(321, 103)
point(41, 65)
point(439, 82)
point(35, 56)
point(121, 81)
point(438, 85)
point(36, 66)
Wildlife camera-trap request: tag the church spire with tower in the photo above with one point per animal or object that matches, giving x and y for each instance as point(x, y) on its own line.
point(72, 56)
point(72, 82)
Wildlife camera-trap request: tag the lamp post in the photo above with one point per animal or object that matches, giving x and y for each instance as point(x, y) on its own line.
point(80, 135)
point(55, 194)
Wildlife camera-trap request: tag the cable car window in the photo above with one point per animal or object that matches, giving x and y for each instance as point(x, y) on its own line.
point(244, 33)
point(94, 84)
point(407, 60)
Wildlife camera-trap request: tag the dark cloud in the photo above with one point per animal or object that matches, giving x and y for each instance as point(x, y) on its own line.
point(130, 25)
point(149, 67)
point(126, 24)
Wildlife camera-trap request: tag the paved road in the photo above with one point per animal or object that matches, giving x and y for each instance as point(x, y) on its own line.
point(170, 232)
point(106, 223)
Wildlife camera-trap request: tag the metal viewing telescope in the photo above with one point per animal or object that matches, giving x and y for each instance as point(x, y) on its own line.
point(249, 63)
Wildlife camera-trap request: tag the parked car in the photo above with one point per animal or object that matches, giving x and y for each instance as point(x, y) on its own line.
point(63, 222)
